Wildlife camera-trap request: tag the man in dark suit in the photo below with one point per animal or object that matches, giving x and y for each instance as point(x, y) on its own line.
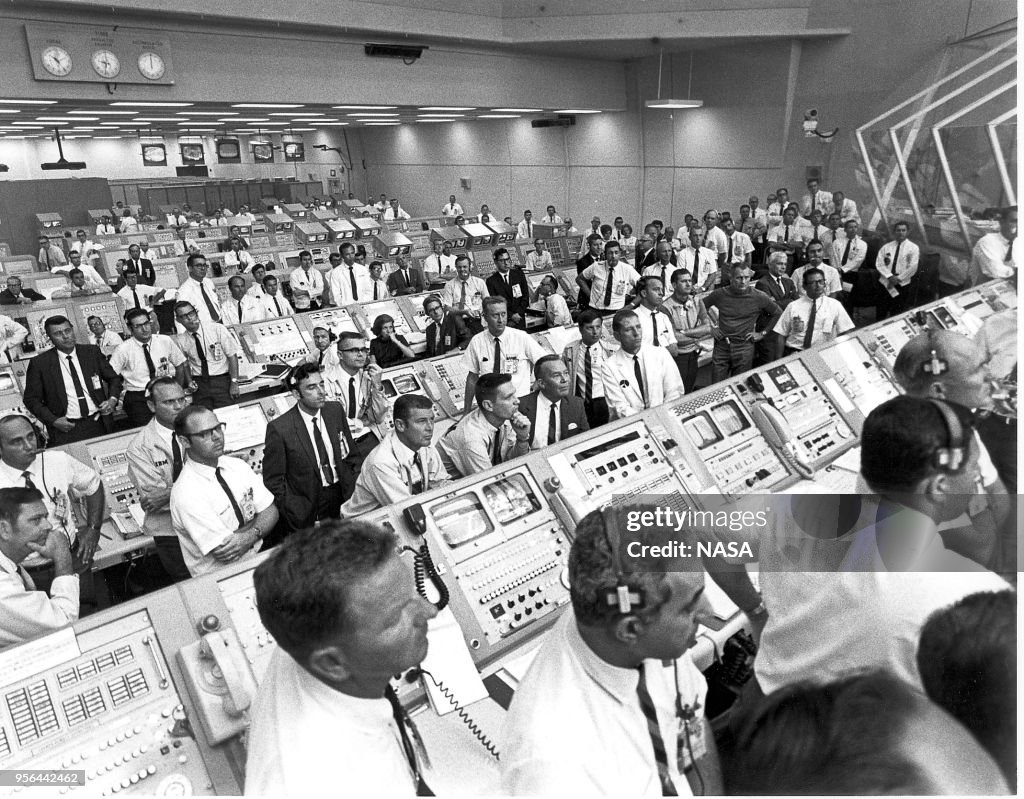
point(447, 331)
point(775, 284)
point(781, 289)
point(143, 266)
point(511, 284)
point(307, 455)
point(594, 252)
point(553, 413)
point(406, 279)
point(71, 388)
point(14, 294)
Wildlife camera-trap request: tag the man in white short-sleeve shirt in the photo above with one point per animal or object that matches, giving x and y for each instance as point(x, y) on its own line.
point(220, 508)
point(516, 352)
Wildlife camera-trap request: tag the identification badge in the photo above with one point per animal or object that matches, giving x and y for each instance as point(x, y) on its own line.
point(216, 351)
point(690, 739)
point(511, 366)
point(96, 382)
point(619, 289)
point(165, 369)
point(248, 505)
point(447, 341)
point(517, 291)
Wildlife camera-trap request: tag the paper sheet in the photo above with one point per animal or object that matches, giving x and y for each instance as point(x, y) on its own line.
point(449, 661)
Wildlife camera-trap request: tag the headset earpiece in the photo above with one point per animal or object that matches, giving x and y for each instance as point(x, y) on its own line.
point(625, 597)
point(952, 457)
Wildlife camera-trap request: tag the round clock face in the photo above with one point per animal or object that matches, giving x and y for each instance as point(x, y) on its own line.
point(57, 61)
point(151, 66)
point(106, 64)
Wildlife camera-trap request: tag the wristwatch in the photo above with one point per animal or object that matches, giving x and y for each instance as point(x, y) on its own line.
point(759, 610)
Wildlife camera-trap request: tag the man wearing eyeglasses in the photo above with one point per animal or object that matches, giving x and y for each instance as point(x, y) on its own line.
point(199, 289)
point(357, 385)
point(812, 319)
point(142, 358)
point(212, 358)
point(220, 508)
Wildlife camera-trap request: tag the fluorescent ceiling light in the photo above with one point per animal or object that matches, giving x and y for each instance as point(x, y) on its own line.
point(441, 116)
point(204, 130)
point(273, 124)
point(297, 114)
point(577, 111)
point(517, 110)
point(498, 116)
point(28, 102)
point(371, 122)
point(330, 124)
point(207, 113)
point(365, 107)
point(367, 114)
point(302, 130)
point(245, 119)
point(670, 103)
point(435, 120)
point(153, 104)
point(146, 119)
point(104, 113)
point(81, 127)
point(10, 110)
point(267, 105)
point(49, 122)
point(61, 119)
point(446, 108)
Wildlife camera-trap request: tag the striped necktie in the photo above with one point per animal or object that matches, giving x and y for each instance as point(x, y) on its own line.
point(657, 742)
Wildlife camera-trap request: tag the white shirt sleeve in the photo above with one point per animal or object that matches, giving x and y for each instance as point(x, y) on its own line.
point(28, 614)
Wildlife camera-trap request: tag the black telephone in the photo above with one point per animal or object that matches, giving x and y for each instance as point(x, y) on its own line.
point(423, 565)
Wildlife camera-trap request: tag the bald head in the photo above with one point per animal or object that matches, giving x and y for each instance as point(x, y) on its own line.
point(945, 365)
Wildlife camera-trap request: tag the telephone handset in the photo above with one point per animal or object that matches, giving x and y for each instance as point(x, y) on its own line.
point(423, 565)
point(776, 429)
point(448, 674)
point(220, 681)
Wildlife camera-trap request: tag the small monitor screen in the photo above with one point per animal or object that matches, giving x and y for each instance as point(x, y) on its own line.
point(511, 499)
point(393, 251)
point(462, 520)
point(728, 418)
point(702, 431)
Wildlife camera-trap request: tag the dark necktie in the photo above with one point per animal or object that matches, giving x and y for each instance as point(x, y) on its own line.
point(352, 397)
point(239, 312)
point(462, 299)
point(846, 252)
point(608, 287)
point(405, 275)
point(809, 333)
point(896, 258)
point(28, 479)
point(277, 305)
point(149, 361)
point(231, 497)
point(136, 296)
point(1009, 253)
point(214, 313)
point(588, 376)
point(204, 365)
point(728, 257)
point(375, 288)
point(497, 356)
point(404, 725)
point(355, 289)
point(79, 391)
point(786, 238)
point(654, 326)
point(321, 453)
point(320, 360)
point(552, 426)
point(420, 485)
point(496, 448)
point(657, 742)
point(176, 461)
point(639, 373)
point(813, 198)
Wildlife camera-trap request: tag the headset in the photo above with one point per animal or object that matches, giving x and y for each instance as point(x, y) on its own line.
point(625, 597)
point(41, 437)
point(951, 458)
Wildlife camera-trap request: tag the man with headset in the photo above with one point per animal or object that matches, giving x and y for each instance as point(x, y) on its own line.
point(625, 722)
point(61, 479)
point(879, 574)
